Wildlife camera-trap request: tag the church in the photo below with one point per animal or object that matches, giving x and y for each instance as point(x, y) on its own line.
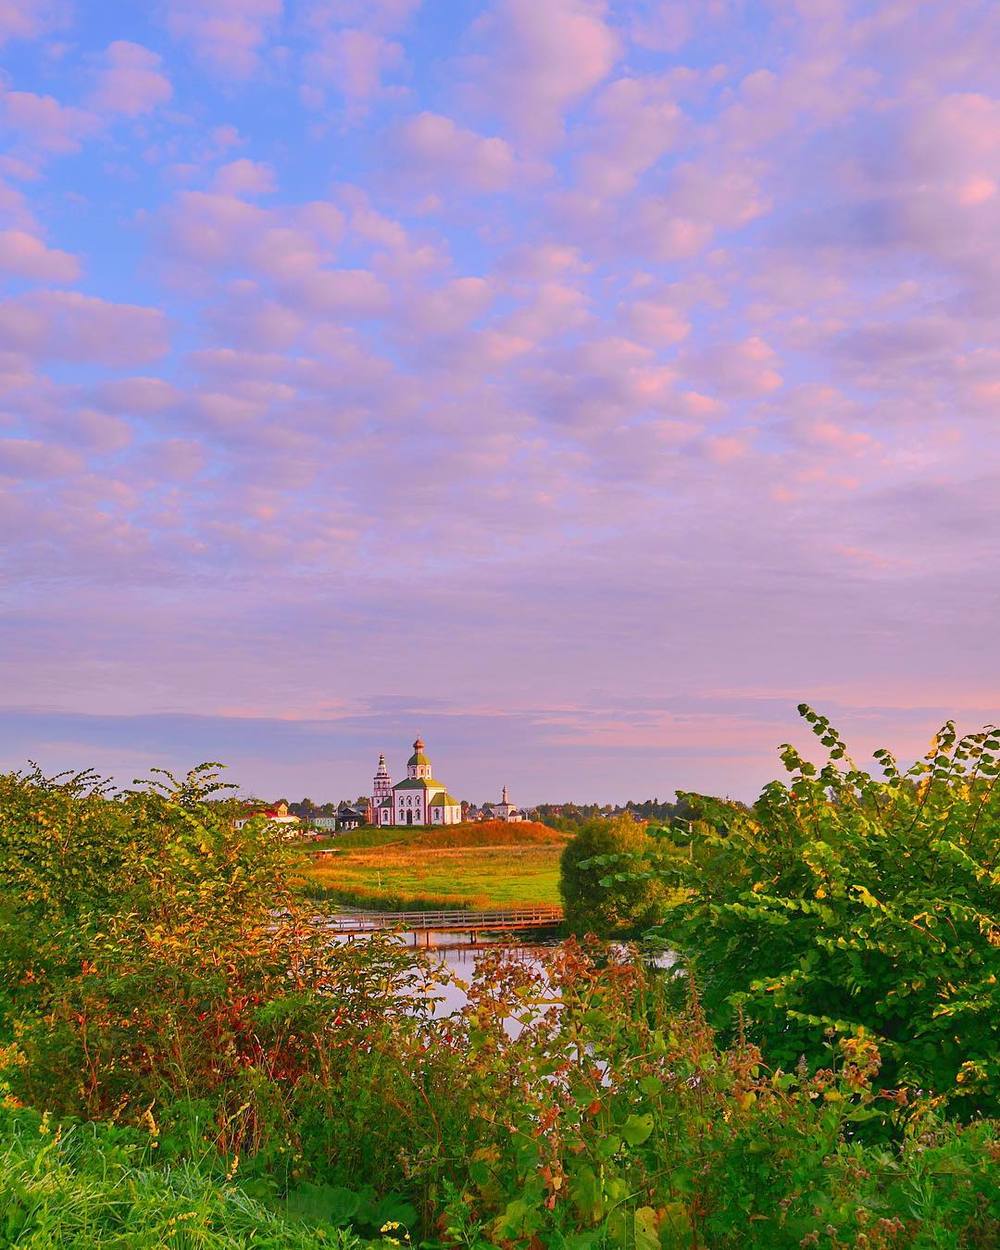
point(419, 800)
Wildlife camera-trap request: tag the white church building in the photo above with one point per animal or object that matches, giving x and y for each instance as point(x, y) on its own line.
point(419, 800)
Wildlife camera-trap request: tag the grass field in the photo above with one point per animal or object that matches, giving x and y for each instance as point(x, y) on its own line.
point(478, 865)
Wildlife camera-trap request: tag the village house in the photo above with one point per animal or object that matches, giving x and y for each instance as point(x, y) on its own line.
point(277, 815)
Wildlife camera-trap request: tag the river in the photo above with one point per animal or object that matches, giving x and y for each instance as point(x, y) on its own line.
point(458, 961)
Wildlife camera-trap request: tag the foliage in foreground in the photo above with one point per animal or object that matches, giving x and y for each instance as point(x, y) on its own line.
point(860, 906)
point(86, 1188)
point(158, 974)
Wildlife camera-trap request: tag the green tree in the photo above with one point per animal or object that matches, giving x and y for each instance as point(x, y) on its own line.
point(845, 904)
point(604, 880)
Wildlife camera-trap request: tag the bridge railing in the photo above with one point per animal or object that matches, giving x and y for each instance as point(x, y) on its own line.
point(465, 920)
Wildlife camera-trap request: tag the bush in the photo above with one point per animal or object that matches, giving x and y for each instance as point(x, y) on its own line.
point(567, 1106)
point(599, 893)
point(852, 906)
point(150, 951)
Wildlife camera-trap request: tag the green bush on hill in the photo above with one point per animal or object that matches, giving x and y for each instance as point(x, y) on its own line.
point(602, 883)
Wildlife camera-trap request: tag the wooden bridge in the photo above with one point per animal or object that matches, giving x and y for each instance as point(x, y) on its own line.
point(502, 920)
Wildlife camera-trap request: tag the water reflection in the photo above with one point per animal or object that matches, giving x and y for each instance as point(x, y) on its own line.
point(454, 964)
point(459, 964)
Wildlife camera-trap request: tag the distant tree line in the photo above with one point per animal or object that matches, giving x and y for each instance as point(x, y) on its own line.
point(569, 817)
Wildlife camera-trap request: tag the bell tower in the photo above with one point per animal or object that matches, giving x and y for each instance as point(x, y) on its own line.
point(381, 783)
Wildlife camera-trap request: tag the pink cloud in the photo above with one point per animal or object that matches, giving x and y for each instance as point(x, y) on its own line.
point(614, 381)
point(89, 429)
point(653, 321)
point(542, 59)
point(664, 235)
point(449, 308)
point(745, 368)
point(944, 184)
point(352, 63)
point(552, 309)
point(15, 210)
point(42, 122)
point(830, 434)
point(697, 405)
point(724, 448)
point(228, 35)
point(65, 325)
point(545, 260)
point(385, 15)
point(27, 19)
point(23, 255)
point(633, 122)
point(256, 323)
point(213, 229)
point(131, 81)
point(435, 150)
point(727, 195)
point(339, 291)
point(176, 459)
point(351, 51)
point(288, 245)
point(244, 178)
point(31, 459)
point(870, 559)
point(142, 396)
point(323, 219)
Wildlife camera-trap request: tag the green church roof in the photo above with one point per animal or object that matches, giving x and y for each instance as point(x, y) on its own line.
point(444, 799)
point(418, 783)
point(418, 758)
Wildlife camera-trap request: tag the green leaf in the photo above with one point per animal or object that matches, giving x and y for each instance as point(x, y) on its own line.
point(637, 1128)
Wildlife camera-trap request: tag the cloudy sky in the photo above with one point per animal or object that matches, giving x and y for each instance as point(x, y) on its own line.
point(578, 383)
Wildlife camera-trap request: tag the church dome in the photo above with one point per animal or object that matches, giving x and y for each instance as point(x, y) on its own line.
point(418, 756)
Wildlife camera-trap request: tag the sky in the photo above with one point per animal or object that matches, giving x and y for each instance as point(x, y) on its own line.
point(580, 384)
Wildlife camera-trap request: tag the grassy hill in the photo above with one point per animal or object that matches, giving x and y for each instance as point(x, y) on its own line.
point(487, 864)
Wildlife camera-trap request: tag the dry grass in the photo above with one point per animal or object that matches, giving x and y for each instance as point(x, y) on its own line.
point(474, 865)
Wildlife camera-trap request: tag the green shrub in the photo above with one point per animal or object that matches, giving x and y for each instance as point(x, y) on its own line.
point(151, 952)
point(623, 903)
point(567, 1105)
point(841, 903)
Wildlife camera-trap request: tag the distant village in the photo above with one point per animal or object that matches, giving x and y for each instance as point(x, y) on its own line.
point(418, 799)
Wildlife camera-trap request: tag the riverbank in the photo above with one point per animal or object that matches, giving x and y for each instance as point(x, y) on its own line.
point(475, 866)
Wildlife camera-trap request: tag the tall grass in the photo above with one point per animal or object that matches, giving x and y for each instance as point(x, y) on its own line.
point(88, 1187)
